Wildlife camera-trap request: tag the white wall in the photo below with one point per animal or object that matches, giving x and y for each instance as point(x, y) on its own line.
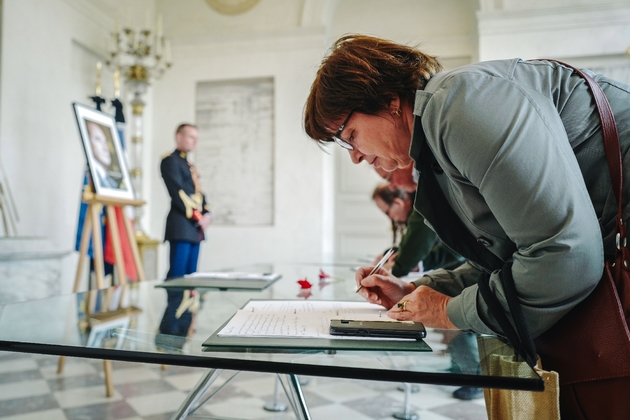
point(45, 46)
point(39, 144)
point(554, 29)
point(49, 53)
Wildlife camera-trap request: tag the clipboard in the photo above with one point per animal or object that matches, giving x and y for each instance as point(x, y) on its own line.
point(297, 344)
point(214, 343)
point(223, 281)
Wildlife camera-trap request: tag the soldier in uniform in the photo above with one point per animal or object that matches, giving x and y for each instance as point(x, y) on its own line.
point(189, 215)
point(186, 222)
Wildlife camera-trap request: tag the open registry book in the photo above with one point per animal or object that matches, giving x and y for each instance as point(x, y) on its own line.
point(299, 318)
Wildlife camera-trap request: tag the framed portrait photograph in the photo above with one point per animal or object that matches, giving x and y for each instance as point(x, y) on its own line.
point(104, 153)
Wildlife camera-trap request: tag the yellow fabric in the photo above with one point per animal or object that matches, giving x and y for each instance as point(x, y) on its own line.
point(507, 404)
point(191, 203)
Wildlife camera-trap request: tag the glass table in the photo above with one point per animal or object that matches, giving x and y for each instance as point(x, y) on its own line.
point(122, 322)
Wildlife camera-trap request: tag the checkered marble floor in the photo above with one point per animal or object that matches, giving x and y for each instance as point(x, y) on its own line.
point(30, 389)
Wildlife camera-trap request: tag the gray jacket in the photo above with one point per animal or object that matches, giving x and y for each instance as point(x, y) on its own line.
point(518, 155)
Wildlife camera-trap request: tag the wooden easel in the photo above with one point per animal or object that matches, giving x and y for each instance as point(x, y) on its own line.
point(91, 227)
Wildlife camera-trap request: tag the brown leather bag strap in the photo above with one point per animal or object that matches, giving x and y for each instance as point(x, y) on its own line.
point(611, 140)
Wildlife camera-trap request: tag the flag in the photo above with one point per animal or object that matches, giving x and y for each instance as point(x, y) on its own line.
point(82, 214)
point(109, 256)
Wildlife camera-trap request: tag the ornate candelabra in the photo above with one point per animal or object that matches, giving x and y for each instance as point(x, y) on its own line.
point(139, 56)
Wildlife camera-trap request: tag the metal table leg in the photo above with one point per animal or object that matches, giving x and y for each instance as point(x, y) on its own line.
point(299, 404)
point(209, 396)
point(197, 392)
point(406, 414)
point(275, 405)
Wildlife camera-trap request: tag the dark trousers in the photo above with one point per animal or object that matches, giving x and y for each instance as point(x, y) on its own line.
point(183, 259)
point(173, 330)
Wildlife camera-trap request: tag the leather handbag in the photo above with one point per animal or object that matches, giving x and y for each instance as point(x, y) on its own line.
point(595, 381)
point(590, 346)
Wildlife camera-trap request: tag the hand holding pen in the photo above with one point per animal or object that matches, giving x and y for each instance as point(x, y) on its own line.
point(378, 265)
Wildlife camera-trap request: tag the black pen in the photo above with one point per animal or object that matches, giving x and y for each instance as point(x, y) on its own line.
point(379, 265)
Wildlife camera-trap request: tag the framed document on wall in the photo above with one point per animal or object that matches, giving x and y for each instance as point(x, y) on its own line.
point(235, 153)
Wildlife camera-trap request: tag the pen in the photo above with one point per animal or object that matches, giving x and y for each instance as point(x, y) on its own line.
point(379, 265)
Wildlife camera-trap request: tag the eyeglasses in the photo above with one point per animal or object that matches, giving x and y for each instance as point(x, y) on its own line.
point(337, 137)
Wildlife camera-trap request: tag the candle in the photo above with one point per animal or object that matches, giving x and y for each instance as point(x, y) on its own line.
point(158, 28)
point(117, 82)
point(114, 43)
point(128, 18)
point(167, 51)
point(97, 91)
point(158, 46)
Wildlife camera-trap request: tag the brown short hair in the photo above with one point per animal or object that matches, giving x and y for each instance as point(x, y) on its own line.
point(364, 74)
point(388, 194)
point(181, 127)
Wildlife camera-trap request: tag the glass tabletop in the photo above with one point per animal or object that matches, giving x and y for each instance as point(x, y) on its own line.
point(134, 323)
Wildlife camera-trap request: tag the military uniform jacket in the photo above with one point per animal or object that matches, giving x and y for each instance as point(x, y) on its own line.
point(512, 168)
point(178, 177)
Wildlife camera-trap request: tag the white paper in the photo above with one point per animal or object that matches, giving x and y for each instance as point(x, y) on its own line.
point(299, 318)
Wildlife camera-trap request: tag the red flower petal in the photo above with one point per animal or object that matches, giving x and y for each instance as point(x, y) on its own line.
point(305, 294)
point(304, 283)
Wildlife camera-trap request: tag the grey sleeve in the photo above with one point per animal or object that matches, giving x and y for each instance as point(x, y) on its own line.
point(450, 282)
point(508, 146)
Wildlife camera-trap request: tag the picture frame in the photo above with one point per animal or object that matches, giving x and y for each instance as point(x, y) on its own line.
point(108, 333)
point(104, 153)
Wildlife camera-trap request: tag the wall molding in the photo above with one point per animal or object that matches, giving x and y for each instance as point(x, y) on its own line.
point(248, 43)
point(561, 18)
point(97, 12)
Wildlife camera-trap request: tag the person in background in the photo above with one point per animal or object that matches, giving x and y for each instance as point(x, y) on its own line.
point(419, 239)
point(400, 178)
point(189, 216)
point(513, 176)
point(419, 244)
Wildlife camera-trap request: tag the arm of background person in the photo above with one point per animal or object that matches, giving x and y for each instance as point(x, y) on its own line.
point(441, 256)
point(414, 246)
point(451, 282)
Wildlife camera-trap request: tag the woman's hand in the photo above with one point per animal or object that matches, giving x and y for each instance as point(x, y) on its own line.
point(423, 305)
point(381, 288)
